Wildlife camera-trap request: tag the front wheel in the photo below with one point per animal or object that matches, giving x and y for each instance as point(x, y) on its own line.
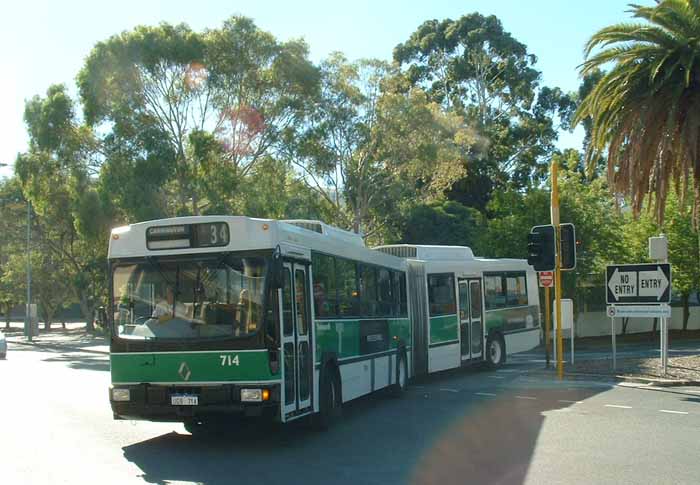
point(495, 350)
point(330, 403)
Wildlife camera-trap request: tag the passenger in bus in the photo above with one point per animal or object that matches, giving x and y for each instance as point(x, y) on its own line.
point(163, 310)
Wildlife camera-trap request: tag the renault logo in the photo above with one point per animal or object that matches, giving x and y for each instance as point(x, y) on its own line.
point(185, 371)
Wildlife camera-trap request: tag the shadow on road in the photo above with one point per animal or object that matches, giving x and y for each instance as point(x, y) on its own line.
point(429, 436)
point(86, 362)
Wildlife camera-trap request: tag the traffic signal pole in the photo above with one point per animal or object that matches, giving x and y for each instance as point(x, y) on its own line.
point(557, 269)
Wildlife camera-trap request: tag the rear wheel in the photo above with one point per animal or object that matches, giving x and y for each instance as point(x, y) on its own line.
point(495, 350)
point(330, 405)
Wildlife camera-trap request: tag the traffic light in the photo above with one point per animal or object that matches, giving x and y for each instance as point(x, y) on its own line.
point(568, 247)
point(540, 248)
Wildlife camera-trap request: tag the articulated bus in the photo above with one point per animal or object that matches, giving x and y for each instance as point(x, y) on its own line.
point(222, 316)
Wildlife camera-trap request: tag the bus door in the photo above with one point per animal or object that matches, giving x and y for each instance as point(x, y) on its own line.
point(470, 318)
point(296, 346)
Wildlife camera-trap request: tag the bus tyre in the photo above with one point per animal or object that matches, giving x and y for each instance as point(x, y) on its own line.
point(329, 400)
point(399, 387)
point(495, 350)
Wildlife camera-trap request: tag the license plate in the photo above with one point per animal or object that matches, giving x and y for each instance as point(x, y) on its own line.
point(184, 400)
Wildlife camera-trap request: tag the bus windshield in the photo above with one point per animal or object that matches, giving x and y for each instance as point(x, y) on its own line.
point(189, 299)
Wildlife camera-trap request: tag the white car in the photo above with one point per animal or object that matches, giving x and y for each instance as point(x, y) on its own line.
point(3, 346)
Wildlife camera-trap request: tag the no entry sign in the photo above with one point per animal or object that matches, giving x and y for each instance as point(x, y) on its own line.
point(546, 279)
point(638, 283)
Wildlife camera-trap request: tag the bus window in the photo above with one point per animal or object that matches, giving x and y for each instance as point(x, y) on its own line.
point(287, 303)
point(494, 292)
point(368, 290)
point(348, 296)
point(516, 290)
point(385, 298)
point(441, 294)
point(300, 295)
point(325, 295)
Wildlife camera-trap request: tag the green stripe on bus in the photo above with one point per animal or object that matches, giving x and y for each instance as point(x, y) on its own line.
point(512, 319)
point(222, 366)
point(343, 336)
point(443, 329)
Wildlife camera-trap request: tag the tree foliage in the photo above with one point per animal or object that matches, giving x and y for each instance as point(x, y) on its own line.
point(645, 111)
point(475, 68)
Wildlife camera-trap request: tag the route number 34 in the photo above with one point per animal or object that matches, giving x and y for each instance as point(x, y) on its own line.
point(229, 360)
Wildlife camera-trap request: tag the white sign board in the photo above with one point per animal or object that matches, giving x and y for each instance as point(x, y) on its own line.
point(632, 311)
point(567, 314)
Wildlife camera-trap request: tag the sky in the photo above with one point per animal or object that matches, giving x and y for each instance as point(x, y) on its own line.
point(45, 42)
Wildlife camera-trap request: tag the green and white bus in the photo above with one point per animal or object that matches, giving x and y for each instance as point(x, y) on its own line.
point(468, 310)
point(216, 316)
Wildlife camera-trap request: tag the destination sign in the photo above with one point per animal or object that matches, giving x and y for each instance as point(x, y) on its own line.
point(638, 283)
point(204, 235)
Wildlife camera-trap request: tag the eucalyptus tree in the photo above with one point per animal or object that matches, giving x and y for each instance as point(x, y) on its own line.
point(474, 67)
point(161, 94)
point(367, 150)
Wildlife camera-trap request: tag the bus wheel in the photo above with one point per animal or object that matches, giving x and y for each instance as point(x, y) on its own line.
point(398, 388)
point(329, 400)
point(495, 350)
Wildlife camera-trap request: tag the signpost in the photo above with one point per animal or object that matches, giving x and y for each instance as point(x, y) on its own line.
point(639, 290)
point(547, 281)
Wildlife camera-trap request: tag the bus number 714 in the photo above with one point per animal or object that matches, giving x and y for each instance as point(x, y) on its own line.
point(229, 360)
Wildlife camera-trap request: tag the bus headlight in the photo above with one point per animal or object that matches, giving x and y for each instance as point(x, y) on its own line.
point(121, 395)
point(255, 395)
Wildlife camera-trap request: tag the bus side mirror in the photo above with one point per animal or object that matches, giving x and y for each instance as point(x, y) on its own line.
point(276, 270)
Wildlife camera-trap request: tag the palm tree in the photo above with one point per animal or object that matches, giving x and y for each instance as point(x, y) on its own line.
point(645, 111)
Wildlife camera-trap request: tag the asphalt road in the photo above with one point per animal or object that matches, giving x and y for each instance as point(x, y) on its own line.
point(476, 426)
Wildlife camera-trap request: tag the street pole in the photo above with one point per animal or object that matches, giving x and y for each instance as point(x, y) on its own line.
point(557, 268)
point(28, 324)
point(547, 323)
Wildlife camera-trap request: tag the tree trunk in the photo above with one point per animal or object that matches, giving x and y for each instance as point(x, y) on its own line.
point(87, 308)
point(8, 308)
point(685, 299)
point(625, 321)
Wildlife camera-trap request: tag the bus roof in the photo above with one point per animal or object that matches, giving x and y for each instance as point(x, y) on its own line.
point(247, 233)
point(427, 252)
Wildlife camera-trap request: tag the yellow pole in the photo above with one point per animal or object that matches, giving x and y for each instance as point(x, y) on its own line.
point(547, 323)
point(557, 269)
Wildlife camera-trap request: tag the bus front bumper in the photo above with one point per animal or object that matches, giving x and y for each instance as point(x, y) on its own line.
point(155, 402)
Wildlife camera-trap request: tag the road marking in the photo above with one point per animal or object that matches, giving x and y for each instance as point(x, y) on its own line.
point(508, 370)
point(525, 397)
point(496, 377)
point(418, 387)
point(617, 406)
point(449, 390)
point(488, 394)
point(570, 402)
point(671, 412)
